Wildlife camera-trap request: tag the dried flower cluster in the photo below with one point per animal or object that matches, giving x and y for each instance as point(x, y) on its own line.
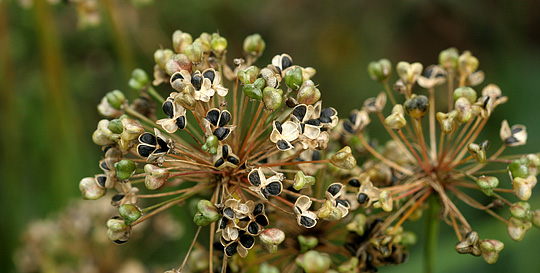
point(273, 169)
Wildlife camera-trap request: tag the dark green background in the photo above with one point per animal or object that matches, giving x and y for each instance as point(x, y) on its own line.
point(52, 76)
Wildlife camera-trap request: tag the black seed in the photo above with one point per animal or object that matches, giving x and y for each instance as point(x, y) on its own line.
point(120, 241)
point(291, 102)
point(118, 197)
point(259, 208)
point(177, 76)
point(225, 118)
point(247, 241)
point(163, 148)
point(302, 127)
point(210, 74)
point(264, 192)
point(298, 209)
point(354, 183)
point(314, 122)
point(325, 119)
point(196, 81)
point(348, 127)
point(145, 150)
point(231, 249)
point(168, 108)
point(283, 145)
point(286, 62)
point(222, 133)
point(274, 188)
point(307, 222)
point(516, 130)
point(181, 122)
point(253, 228)
point(117, 217)
point(334, 189)
point(353, 118)
point(486, 101)
point(233, 160)
point(101, 180)
point(229, 213)
point(278, 126)
point(316, 155)
point(219, 162)
point(299, 112)
point(343, 202)
point(328, 112)
point(254, 179)
point(363, 198)
point(225, 151)
point(262, 220)
point(213, 116)
point(104, 166)
point(278, 69)
point(510, 140)
point(223, 222)
point(147, 138)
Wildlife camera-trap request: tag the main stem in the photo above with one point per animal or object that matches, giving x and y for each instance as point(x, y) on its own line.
point(432, 234)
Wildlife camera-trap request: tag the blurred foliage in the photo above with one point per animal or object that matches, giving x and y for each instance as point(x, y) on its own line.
point(53, 74)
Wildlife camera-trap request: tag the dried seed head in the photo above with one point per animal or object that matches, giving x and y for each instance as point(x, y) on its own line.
point(90, 189)
point(478, 151)
point(515, 136)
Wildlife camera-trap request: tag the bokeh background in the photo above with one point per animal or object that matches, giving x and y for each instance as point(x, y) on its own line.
point(53, 73)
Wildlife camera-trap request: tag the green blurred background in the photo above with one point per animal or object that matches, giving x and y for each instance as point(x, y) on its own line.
point(53, 74)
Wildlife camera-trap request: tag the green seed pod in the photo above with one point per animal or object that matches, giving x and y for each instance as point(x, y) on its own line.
point(464, 109)
point(344, 159)
point(314, 262)
point(155, 176)
point(349, 266)
point(186, 98)
point(523, 187)
point(380, 70)
point(218, 43)
point(487, 184)
point(206, 41)
point(491, 249)
point(478, 151)
point(520, 210)
point(132, 129)
point(271, 238)
point(90, 189)
point(249, 75)
point(253, 92)
point(117, 225)
point(307, 242)
point(194, 52)
point(212, 141)
point(116, 98)
point(254, 45)
point(416, 106)
point(536, 218)
point(162, 56)
point(117, 236)
point(293, 78)
point(181, 40)
point(272, 98)
point(465, 92)
point(266, 268)
point(447, 121)
point(301, 180)
point(206, 213)
point(115, 126)
point(396, 120)
point(140, 76)
point(177, 63)
point(517, 228)
point(308, 93)
point(125, 168)
point(357, 224)
point(409, 73)
point(448, 58)
point(103, 135)
point(518, 168)
point(130, 213)
point(386, 201)
point(329, 212)
point(467, 63)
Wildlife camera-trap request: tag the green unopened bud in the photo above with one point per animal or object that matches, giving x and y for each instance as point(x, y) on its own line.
point(536, 218)
point(181, 40)
point(253, 92)
point(130, 213)
point(254, 45)
point(194, 52)
point(271, 238)
point(272, 98)
point(416, 106)
point(467, 63)
point(357, 224)
point(155, 176)
point(186, 98)
point(517, 228)
point(308, 93)
point(219, 44)
point(307, 242)
point(487, 184)
point(301, 180)
point(293, 78)
point(115, 126)
point(478, 151)
point(162, 56)
point(314, 262)
point(139, 79)
point(125, 168)
point(206, 214)
point(380, 70)
point(117, 225)
point(248, 75)
point(520, 210)
point(90, 189)
point(518, 168)
point(396, 120)
point(344, 159)
point(212, 141)
point(116, 98)
point(491, 249)
point(409, 73)
point(448, 58)
point(465, 92)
